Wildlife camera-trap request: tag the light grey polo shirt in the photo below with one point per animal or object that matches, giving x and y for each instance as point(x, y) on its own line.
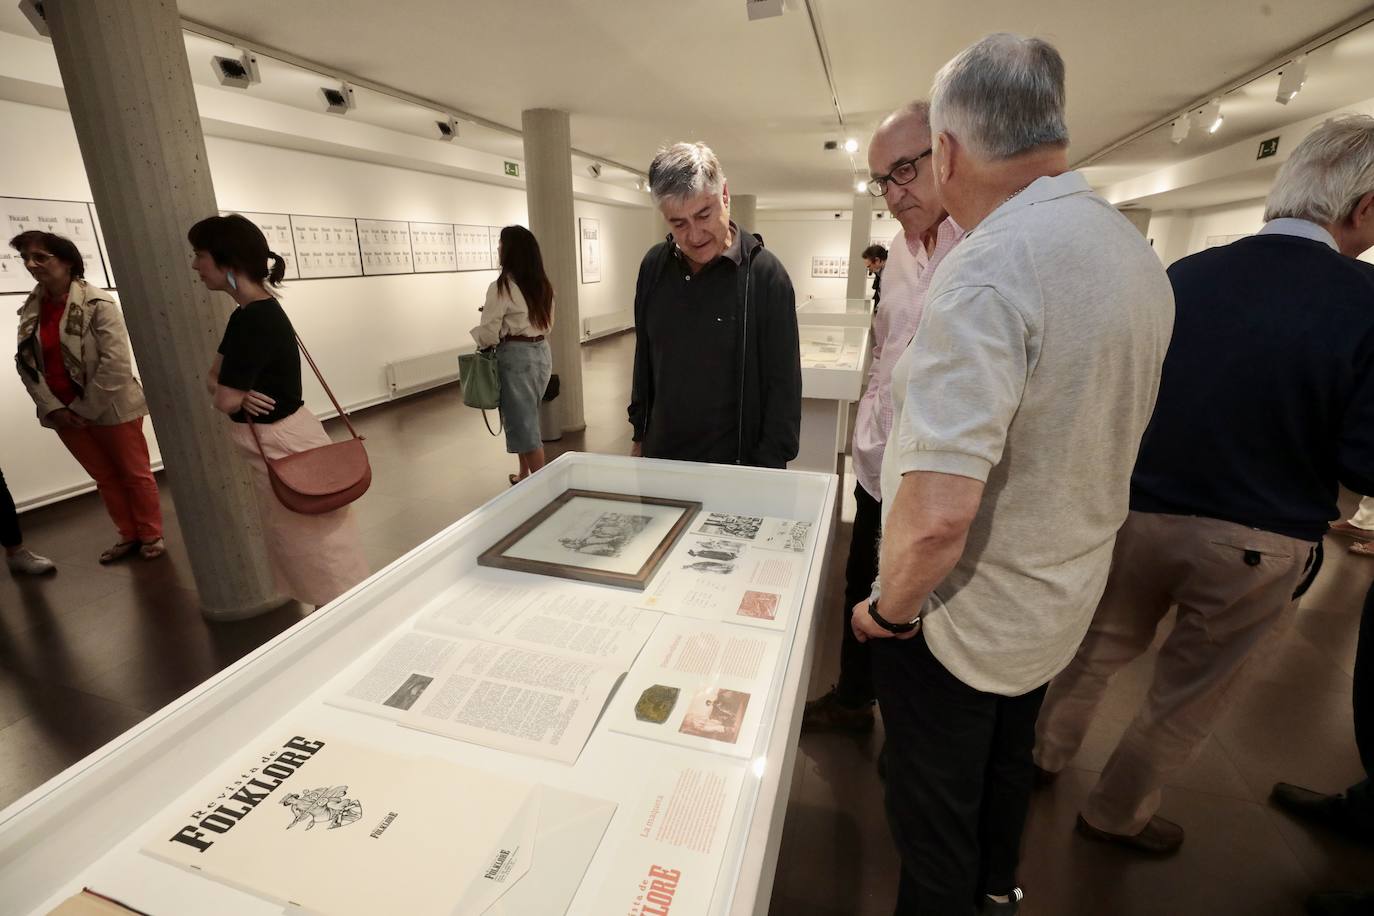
point(1034, 369)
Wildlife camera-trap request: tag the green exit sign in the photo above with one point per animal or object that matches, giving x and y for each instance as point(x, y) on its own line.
point(1268, 148)
point(513, 168)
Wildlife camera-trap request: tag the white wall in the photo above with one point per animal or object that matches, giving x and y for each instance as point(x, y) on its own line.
point(1179, 233)
point(796, 236)
point(353, 326)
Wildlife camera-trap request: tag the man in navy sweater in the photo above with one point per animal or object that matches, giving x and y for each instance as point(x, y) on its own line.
point(1265, 406)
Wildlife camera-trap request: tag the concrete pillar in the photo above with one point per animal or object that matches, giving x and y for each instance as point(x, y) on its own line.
point(128, 85)
point(860, 235)
point(743, 209)
point(548, 187)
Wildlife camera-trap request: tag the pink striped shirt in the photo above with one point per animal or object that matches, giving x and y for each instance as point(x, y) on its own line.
point(906, 278)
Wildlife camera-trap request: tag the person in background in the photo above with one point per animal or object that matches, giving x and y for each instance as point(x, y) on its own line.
point(1359, 528)
point(257, 374)
point(1349, 814)
point(1266, 405)
point(516, 318)
point(899, 154)
point(76, 363)
point(1020, 406)
point(18, 557)
point(717, 371)
point(875, 259)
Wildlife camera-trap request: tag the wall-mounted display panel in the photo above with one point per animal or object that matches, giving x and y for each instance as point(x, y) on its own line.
point(829, 267)
point(385, 246)
point(327, 246)
point(495, 233)
point(68, 218)
point(277, 228)
point(589, 232)
point(432, 244)
point(474, 247)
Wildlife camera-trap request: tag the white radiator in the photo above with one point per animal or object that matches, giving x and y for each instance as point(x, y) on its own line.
point(601, 325)
point(406, 376)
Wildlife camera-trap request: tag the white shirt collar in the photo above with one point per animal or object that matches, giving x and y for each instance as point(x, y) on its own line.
point(1302, 228)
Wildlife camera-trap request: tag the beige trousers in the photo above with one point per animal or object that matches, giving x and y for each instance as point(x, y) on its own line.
point(1231, 583)
point(316, 558)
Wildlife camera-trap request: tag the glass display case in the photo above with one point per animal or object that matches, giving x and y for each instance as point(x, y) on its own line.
point(852, 313)
point(834, 361)
point(88, 825)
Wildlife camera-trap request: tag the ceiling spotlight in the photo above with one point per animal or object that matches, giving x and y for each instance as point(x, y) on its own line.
point(448, 130)
point(851, 145)
point(1181, 126)
point(594, 170)
point(237, 72)
point(1209, 116)
point(33, 11)
point(338, 99)
point(1291, 79)
point(860, 187)
point(763, 9)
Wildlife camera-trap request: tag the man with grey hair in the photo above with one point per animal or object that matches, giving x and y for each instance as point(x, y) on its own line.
point(1043, 335)
point(1266, 405)
point(717, 372)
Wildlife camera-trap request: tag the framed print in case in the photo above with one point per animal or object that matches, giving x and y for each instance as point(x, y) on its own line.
point(591, 536)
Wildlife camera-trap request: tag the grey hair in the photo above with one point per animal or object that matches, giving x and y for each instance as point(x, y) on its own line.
point(1327, 173)
point(1002, 96)
point(685, 170)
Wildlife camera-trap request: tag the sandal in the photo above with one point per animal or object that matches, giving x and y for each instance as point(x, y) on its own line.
point(513, 478)
point(151, 550)
point(1362, 549)
point(118, 551)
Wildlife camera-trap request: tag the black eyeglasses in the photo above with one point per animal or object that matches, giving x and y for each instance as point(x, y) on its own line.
point(903, 173)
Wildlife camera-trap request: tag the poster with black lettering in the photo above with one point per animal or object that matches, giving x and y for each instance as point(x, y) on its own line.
point(669, 850)
point(70, 219)
point(333, 827)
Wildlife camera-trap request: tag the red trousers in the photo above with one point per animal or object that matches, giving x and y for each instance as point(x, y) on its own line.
point(116, 457)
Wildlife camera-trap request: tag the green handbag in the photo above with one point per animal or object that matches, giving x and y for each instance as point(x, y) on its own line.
point(481, 382)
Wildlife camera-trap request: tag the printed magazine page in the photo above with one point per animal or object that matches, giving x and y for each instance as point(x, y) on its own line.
point(668, 852)
point(333, 827)
point(715, 577)
point(570, 620)
point(699, 685)
point(498, 696)
point(768, 533)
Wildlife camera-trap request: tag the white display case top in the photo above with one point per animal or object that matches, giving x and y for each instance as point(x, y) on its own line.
point(854, 313)
point(834, 360)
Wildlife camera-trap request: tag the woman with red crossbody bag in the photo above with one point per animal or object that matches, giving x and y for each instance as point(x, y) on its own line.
point(303, 479)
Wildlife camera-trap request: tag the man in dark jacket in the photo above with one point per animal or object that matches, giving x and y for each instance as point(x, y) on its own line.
point(717, 374)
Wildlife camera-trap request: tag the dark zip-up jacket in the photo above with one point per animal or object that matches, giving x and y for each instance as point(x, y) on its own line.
point(766, 419)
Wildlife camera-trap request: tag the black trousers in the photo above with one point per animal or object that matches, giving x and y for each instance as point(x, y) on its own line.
point(959, 777)
point(855, 687)
point(9, 517)
point(1360, 797)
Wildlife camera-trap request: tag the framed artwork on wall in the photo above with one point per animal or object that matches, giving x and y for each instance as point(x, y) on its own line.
point(593, 536)
point(589, 236)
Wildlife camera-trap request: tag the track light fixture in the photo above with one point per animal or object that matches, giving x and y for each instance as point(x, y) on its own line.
point(448, 129)
point(594, 170)
point(1291, 80)
point(338, 99)
point(860, 187)
point(1209, 116)
point(642, 184)
point(1180, 127)
point(237, 72)
point(851, 145)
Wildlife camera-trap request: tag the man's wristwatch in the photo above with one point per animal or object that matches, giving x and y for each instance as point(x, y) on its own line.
point(887, 624)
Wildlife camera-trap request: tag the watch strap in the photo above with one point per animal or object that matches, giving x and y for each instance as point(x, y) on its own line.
point(889, 625)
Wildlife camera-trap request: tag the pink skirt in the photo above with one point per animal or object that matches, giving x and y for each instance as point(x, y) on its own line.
point(315, 558)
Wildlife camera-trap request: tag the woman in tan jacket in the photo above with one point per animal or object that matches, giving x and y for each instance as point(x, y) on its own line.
point(75, 361)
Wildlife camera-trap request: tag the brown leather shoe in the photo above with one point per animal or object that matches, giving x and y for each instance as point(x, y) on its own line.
point(1159, 838)
point(828, 714)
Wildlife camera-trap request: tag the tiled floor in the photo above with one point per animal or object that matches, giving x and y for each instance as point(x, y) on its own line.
point(88, 653)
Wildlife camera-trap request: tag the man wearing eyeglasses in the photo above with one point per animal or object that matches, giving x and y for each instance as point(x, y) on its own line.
point(899, 157)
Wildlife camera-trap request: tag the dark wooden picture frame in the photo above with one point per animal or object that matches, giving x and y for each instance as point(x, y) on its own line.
point(495, 556)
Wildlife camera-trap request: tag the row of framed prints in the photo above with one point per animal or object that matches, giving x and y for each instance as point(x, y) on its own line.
point(314, 247)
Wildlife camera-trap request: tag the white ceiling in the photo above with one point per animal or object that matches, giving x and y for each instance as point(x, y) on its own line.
point(635, 74)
